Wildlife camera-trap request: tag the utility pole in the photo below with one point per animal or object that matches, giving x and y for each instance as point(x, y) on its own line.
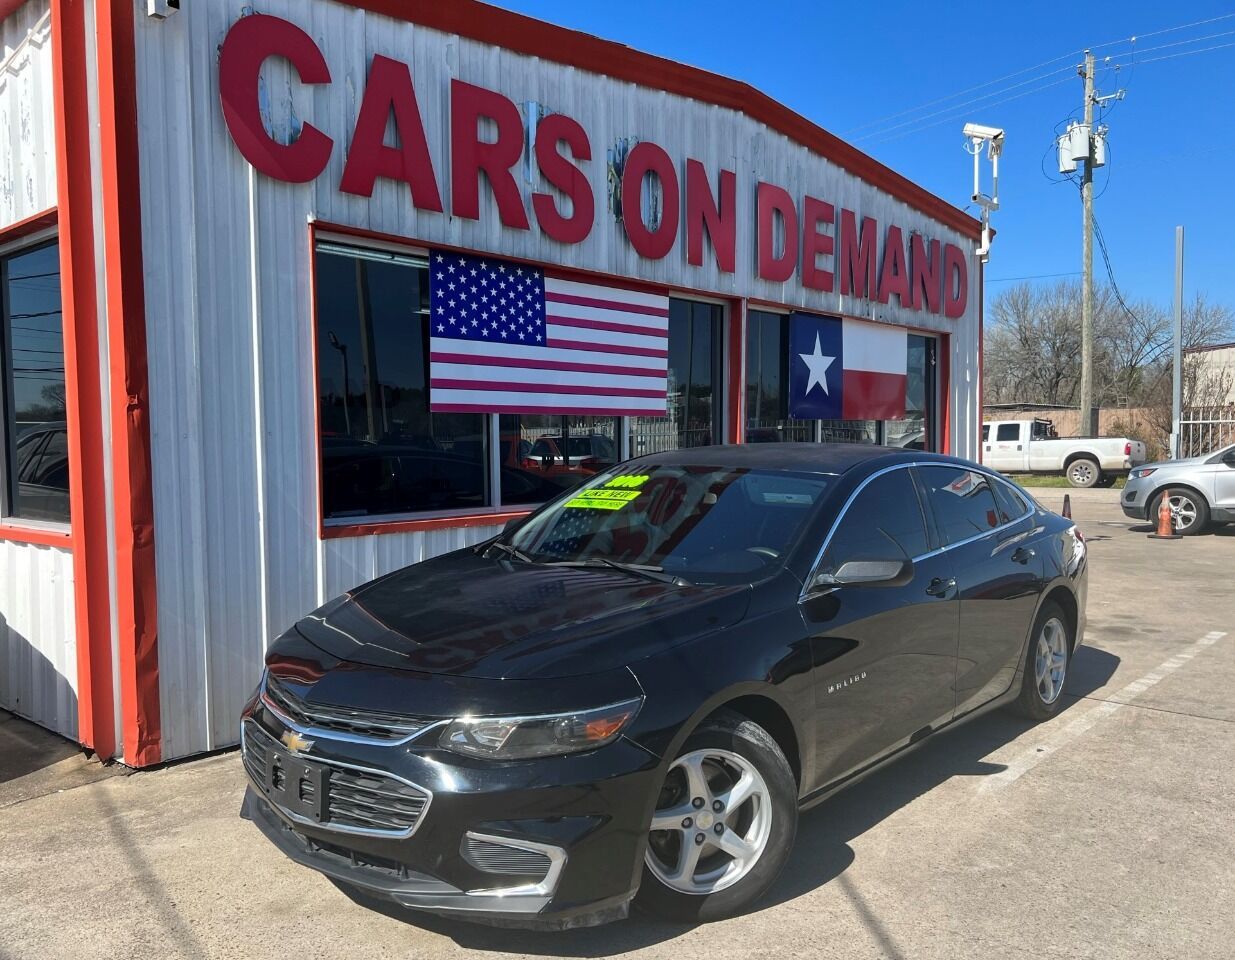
point(1087, 425)
point(1177, 385)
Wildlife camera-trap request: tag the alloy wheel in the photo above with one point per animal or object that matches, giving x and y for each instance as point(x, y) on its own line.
point(711, 823)
point(1051, 660)
point(1184, 512)
point(1082, 473)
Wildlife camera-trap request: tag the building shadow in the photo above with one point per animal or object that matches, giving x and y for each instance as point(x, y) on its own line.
point(822, 851)
point(35, 699)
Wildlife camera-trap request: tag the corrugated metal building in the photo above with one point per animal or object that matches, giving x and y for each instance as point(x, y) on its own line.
point(203, 212)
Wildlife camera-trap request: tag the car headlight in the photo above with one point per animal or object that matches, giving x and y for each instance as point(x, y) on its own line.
point(1140, 472)
point(522, 738)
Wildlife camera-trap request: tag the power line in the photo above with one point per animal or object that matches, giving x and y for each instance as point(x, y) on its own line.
point(882, 136)
point(1187, 53)
point(1168, 46)
point(1035, 276)
point(1156, 33)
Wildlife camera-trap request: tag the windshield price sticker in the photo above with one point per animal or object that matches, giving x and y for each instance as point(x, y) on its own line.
point(614, 495)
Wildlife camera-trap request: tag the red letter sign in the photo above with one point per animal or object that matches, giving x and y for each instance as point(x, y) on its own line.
point(857, 255)
point(470, 155)
point(771, 200)
point(816, 244)
point(955, 295)
point(249, 43)
point(644, 158)
point(926, 275)
point(568, 178)
point(390, 88)
point(719, 218)
point(893, 275)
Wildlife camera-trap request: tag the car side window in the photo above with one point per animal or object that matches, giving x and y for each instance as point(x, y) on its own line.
point(986, 432)
point(962, 500)
point(1008, 431)
point(883, 522)
point(1011, 503)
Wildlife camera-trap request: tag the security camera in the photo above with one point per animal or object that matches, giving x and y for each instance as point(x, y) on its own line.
point(978, 132)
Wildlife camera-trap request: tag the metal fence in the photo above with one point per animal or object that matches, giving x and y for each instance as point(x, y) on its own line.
point(1203, 430)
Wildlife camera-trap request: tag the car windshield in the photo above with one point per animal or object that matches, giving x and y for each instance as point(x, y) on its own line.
point(705, 524)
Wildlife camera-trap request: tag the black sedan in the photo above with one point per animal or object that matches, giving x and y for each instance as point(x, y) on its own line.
point(630, 695)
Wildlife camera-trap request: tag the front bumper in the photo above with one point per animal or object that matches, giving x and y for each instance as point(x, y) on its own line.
point(1134, 499)
point(587, 814)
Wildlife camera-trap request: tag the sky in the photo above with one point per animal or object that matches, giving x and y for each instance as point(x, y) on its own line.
point(850, 67)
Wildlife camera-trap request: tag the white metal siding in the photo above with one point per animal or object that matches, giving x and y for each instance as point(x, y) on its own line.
point(27, 117)
point(38, 648)
point(228, 309)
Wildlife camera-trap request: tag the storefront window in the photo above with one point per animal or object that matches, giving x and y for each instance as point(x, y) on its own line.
point(543, 455)
point(36, 457)
point(695, 383)
point(767, 394)
point(383, 452)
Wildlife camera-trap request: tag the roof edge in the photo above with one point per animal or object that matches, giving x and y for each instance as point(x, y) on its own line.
point(520, 33)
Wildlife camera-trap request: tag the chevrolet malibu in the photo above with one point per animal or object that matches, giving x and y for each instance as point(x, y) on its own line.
point(632, 694)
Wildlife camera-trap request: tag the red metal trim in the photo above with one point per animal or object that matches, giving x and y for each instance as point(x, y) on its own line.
point(96, 724)
point(133, 497)
point(736, 405)
point(31, 224)
point(15, 533)
point(981, 368)
point(419, 526)
point(943, 374)
point(512, 31)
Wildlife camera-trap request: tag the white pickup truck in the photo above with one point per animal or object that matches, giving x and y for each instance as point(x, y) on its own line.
point(1032, 446)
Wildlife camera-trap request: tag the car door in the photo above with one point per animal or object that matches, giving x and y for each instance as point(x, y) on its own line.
point(1007, 448)
point(884, 657)
point(992, 538)
point(1221, 482)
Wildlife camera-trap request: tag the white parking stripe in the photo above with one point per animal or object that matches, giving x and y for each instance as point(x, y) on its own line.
point(1026, 760)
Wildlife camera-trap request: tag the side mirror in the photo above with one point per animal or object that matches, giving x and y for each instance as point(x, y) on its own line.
point(867, 573)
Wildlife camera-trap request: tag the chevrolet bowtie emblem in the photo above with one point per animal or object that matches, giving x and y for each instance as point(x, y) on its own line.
point(295, 743)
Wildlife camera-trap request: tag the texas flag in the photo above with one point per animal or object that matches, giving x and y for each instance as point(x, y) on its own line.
point(846, 369)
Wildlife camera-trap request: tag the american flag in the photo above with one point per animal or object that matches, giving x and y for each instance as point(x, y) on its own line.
point(507, 338)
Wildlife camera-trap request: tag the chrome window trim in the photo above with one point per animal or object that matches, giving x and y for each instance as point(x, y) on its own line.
point(325, 733)
point(546, 888)
point(355, 831)
point(975, 468)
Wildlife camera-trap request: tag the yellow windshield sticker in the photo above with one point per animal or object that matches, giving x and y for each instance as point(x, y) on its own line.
point(614, 495)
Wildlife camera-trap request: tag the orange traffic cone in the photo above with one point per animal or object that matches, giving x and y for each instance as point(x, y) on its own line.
point(1067, 507)
point(1166, 520)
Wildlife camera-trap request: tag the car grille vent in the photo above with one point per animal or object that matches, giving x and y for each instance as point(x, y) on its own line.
point(490, 857)
point(356, 800)
point(367, 724)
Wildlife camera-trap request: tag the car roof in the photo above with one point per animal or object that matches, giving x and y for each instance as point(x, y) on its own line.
point(824, 458)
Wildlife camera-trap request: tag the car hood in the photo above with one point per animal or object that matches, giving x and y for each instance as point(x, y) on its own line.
point(465, 615)
point(1176, 464)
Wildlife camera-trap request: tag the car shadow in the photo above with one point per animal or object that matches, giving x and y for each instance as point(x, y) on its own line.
point(1213, 530)
point(822, 851)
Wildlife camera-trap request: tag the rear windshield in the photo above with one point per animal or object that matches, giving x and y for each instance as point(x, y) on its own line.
point(705, 524)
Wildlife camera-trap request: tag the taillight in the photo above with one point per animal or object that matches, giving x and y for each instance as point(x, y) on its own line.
point(1128, 449)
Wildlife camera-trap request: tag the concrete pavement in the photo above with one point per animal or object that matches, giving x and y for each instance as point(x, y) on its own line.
point(1104, 833)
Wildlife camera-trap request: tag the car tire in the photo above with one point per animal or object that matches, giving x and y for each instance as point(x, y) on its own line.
point(1084, 472)
point(1042, 690)
point(721, 754)
point(1190, 509)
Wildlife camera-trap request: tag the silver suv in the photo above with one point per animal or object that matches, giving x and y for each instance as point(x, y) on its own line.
point(1202, 490)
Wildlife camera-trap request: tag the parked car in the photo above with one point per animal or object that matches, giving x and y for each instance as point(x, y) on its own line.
point(42, 461)
point(635, 690)
point(586, 454)
point(1202, 491)
point(1033, 446)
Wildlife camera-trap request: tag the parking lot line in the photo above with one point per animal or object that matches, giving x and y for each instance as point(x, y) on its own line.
point(1033, 755)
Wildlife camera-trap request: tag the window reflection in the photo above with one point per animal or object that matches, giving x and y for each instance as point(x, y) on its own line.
point(542, 455)
point(695, 377)
point(38, 473)
point(383, 452)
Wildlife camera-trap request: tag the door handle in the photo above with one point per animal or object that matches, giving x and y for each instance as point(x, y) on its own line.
point(1018, 447)
point(940, 587)
point(1023, 554)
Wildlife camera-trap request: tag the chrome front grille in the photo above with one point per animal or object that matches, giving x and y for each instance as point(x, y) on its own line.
point(358, 800)
point(364, 724)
